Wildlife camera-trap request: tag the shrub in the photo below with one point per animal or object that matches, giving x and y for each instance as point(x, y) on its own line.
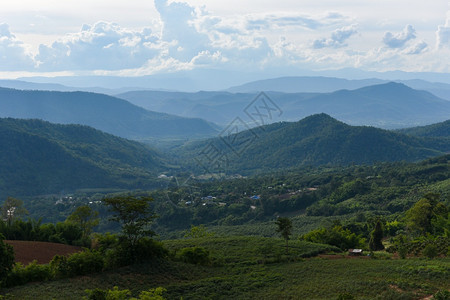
point(335, 236)
point(345, 296)
point(123, 253)
point(116, 294)
point(442, 295)
point(32, 272)
point(195, 255)
point(6, 259)
point(85, 262)
point(430, 251)
point(402, 251)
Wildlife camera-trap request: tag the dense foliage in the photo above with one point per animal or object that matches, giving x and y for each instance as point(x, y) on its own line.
point(39, 158)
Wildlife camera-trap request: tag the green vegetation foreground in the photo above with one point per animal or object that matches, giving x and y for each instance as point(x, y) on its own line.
point(237, 269)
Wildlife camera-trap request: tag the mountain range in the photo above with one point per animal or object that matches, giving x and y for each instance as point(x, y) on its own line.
point(38, 157)
point(305, 84)
point(388, 105)
point(315, 140)
point(106, 113)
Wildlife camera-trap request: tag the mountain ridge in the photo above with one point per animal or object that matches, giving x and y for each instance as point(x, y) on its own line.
point(315, 140)
point(103, 112)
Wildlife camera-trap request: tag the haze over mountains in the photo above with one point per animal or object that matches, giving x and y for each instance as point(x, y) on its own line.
point(388, 105)
point(102, 112)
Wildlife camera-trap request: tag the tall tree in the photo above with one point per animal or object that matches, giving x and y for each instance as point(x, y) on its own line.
point(134, 214)
point(420, 217)
point(285, 229)
point(376, 237)
point(12, 209)
point(86, 218)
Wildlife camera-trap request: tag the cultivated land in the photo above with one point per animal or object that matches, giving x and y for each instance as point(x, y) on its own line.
point(244, 268)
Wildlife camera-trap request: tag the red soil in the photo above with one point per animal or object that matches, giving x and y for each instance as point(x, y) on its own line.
point(27, 251)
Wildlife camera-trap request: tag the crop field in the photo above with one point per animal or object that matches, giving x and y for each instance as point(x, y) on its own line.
point(258, 268)
point(43, 252)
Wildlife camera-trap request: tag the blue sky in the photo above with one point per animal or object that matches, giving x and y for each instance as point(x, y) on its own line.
point(133, 38)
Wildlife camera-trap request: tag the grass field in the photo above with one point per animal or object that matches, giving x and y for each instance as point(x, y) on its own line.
point(257, 268)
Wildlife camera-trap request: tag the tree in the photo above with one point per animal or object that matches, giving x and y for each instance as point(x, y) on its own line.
point(6, 259)
point(12, 208)
point(376, 236)
point(198, 232)
point(424, 216)
point(134, 214)
point(285, 229)
point(86, 218)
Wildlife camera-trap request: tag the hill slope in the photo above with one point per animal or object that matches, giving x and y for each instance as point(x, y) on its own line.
point(441, 129)
point(315, 140)
point(38, 157)
point(102, 112)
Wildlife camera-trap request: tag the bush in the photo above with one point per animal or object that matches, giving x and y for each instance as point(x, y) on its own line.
point(6, 259)
point(195, 255)
point(430, 251)
point(123, 253)
point(335, 236)
point(345, 296)
point(83, 263)
point(442, 295)
point(116, 294)
point(30, 273)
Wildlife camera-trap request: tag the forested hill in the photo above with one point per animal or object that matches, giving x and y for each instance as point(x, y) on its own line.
point(441, 129)
point(106, 113)
point(38, 157)
point(315, 140)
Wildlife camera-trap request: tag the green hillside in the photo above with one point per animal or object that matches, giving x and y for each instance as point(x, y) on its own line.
point(38, 157)
point(441, 129)
point(315, 140)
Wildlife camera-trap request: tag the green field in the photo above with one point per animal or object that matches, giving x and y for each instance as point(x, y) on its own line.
point(258, 268)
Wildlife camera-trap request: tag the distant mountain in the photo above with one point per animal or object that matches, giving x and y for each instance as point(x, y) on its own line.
point(389, 105)
point(315, 140)
point(435, 130)
point(44, 86)
point(217, 107)
point(38, 157)
point(319, 84)
point(102, 112)
point(305, 84)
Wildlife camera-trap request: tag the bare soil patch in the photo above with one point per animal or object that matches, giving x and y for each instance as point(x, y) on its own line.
point(43, 252)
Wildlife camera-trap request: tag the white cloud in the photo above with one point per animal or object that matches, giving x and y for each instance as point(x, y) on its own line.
point(13, 55)
point(337, 39)
point(400, 39)
point(270, 21)
point(208, 58)
point(417, 48)
point(443, 33)
point(104, 46)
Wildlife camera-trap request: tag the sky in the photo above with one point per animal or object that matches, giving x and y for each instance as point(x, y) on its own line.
point(137, 37)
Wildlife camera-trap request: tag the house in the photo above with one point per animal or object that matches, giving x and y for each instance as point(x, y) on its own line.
point(355, 252)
